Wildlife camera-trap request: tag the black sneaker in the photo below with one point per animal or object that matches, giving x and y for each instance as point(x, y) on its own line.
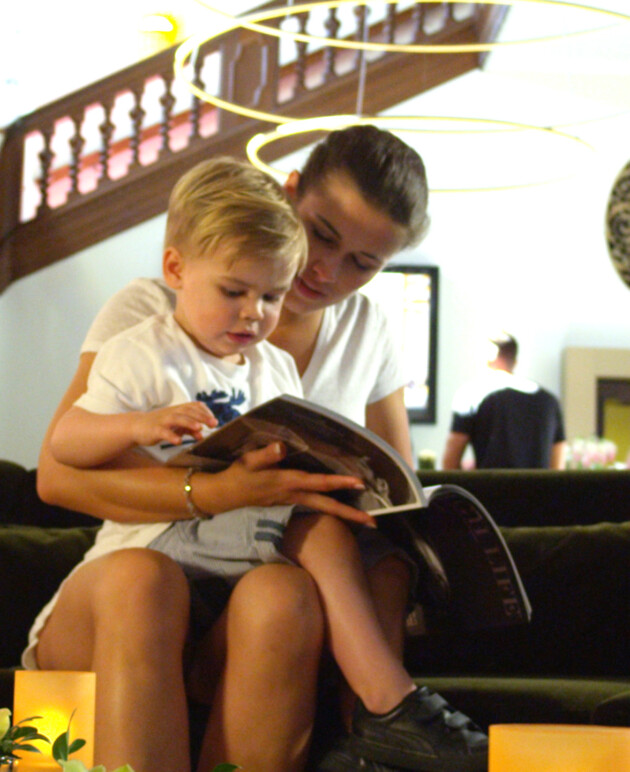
point(343, 758)
point(423, 733)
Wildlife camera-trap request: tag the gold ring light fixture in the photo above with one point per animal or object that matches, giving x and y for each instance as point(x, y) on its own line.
point(400, 125)
point(251, 21)
point(288, 126)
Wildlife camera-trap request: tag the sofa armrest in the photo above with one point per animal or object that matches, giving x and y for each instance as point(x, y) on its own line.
point(540, 497)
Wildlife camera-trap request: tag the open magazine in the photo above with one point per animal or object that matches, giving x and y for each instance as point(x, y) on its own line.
point(467, 577)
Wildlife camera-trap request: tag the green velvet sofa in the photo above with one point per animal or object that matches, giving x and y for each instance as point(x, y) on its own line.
point(569, 533)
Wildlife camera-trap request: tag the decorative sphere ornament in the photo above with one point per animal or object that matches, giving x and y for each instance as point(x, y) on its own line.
point(618, 224)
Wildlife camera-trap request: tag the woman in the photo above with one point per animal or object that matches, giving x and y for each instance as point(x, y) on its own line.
point(362, 196)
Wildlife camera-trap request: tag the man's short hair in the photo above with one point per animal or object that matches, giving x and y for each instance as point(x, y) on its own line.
point(507, 347)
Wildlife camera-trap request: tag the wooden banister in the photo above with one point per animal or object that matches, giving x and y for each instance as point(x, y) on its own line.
point(104, 158)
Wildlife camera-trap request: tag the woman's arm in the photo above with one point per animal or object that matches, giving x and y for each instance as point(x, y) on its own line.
point(388, 418)
point(136, 489)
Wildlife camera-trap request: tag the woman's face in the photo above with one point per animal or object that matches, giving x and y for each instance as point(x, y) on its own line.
point(349, 242)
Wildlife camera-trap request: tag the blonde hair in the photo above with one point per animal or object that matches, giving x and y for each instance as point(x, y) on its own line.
point(223, 199)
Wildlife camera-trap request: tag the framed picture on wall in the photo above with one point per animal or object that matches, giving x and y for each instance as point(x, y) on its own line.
point(409, 295)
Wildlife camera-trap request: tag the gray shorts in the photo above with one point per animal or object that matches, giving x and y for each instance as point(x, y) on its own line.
point(230, 544)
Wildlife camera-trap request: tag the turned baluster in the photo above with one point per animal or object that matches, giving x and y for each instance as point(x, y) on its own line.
point(167, 100)
point(195, 108)
point(106, 130)
point(417, 19)
point(389, 26)
point(363, 33)
point(76, 146)
point(136, 114)
point(301, 46)
point(330, 53)
point(45, 156)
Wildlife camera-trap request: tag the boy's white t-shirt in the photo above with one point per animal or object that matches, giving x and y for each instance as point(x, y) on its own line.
point(356, 360)
point(168, 369)
point(156, 364)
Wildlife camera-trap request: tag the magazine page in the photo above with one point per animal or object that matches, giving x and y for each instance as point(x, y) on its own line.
point(317, 440)
point(468, 578)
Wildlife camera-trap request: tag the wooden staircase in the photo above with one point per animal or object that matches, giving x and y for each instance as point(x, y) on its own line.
point(104, 158)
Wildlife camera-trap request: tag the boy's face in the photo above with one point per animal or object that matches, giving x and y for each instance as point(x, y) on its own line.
point(349, 241)
point(228, 301)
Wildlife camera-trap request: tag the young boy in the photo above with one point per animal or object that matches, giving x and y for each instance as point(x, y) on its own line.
point(233, 247)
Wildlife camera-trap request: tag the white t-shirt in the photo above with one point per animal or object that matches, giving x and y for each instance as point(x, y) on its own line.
point(355, 362)
point(472, 393)
point(155, 364)
point(168, 369)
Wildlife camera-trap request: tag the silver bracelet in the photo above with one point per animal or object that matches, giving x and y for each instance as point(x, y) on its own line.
point(193, 509)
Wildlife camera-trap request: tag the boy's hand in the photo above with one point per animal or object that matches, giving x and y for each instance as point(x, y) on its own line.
point(170, 424)
point(255, 480)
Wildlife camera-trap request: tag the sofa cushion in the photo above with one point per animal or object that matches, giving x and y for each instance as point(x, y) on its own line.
point(491, 700)
point(19, 502)
point(33, 563)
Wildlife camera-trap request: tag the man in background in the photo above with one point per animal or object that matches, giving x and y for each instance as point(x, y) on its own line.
point(511, 422)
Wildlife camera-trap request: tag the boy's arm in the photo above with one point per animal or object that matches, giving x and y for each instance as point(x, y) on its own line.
point(85, 439)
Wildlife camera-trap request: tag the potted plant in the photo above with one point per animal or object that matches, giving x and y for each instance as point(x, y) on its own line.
point(16, 738)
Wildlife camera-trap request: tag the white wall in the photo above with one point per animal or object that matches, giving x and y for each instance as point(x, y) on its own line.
point(43, 319)
point(533, 262)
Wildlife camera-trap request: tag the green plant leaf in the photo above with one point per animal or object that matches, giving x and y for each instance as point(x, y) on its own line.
point(75, 745)
point(125, 768)
point(27, 747)
point(226, 768)
point(27, 733)
point(30, 718)
point(60, 748)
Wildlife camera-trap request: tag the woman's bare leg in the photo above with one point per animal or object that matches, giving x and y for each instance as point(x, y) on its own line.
point(125, 616)
point(272, 636)
point(327, 549)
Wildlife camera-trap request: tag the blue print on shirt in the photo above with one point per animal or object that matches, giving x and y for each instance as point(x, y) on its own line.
point(222, 404)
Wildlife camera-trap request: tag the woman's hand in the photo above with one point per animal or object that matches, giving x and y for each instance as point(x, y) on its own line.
point(255, 480)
